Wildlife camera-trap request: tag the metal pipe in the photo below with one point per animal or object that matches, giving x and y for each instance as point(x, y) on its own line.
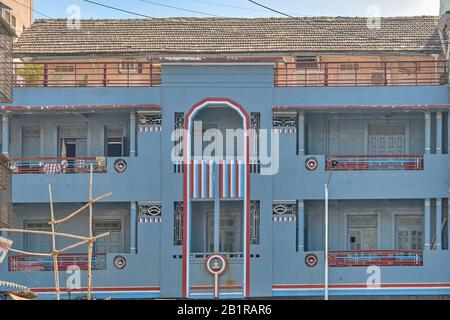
point(326, 241)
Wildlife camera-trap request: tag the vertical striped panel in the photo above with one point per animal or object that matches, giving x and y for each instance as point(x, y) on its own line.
point(232, 179)
point(202, 179)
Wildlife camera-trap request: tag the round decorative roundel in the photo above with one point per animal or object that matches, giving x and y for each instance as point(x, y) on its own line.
point(120, 262)
point(311, 164)
point(120, 165)
point(311, 260)
point(216, 264)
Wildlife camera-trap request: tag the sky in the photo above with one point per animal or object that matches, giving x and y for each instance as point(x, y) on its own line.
point(237, 8)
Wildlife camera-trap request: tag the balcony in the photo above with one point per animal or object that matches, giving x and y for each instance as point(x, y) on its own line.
point(57, 165)
point(25, 263)
point(375, 162)
point(361, 73)
point(383, 258)
point(86, 74)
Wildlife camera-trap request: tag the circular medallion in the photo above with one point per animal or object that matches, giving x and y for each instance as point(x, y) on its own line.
point(311, 164)
point(311, 260)
point(120, 165)
point(120, 262)
point(216, 264)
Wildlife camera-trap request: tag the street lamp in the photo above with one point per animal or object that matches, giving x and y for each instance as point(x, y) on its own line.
point(333, 163)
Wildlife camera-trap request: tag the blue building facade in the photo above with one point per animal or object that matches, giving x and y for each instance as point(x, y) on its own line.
point(383, 147)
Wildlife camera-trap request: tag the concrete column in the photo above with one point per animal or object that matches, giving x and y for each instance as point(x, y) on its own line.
point(301, 133)
point(133, 227)
point(439, 132)
point(448, 225)
point(448, 132)
point(438, 224)
point(216, 226)
point(132, 133)
point(301, 226)
point(5, 134)
point(427, 224)
point(217, 210)
point(427, 132)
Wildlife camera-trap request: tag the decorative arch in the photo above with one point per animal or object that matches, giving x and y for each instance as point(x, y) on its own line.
point(215, 102)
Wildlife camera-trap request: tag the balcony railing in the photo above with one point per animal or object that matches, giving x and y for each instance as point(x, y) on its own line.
point(386, 258)
point(31, 263)
point(361, 73)
point(86, 74)
point(57, 165)
point(375, 162)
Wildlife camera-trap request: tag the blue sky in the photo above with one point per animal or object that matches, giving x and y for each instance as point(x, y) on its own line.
point(240, 8)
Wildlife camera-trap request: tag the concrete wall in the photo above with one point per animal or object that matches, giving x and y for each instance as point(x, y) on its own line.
point(347, 133)
point(50, 146)
point(385, 210)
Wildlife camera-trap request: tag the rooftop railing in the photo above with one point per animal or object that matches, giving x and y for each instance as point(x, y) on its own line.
point(57, 165)
point(86, 74)
point(374, 162)
point(25, 263)
point(361, 73)
point(392, 258)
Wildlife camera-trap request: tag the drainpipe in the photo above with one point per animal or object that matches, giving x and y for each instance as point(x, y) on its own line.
point(5, 134)
point(132, 133)
point(427, 223)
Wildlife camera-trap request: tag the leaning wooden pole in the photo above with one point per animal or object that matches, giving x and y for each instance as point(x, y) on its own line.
point(54, 251)
point(91, 236)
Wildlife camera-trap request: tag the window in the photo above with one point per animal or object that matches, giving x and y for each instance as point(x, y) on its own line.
point(73, 142)
point(387, 138)
point(362, 232)
point(409, 234)
point(230, 232)
point(112, 244)
point(7, 15)
point(31, 142)
point(306, 62)
point(130, 66)
point(39, 243)
point(64, 68)
point(13, 21)
point(115, 142)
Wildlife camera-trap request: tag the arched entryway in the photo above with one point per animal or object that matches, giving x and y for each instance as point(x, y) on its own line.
point(216, 191)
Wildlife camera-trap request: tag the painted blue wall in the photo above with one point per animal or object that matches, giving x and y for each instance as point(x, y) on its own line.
point(150, 177)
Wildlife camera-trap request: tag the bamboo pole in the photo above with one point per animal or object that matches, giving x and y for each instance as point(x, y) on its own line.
point(83, 208)
point(54, 252)
point(31, 253)
point(59, 234)
point(75, 245)
point(90, 242)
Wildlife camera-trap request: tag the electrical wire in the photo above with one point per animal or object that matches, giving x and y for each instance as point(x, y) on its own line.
point(178, 8)
point(117, 9)
point(326, 29)
point(24, 5)
point(227, 5)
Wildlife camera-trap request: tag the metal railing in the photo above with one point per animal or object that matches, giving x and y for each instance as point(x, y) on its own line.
point(25, 263)
point(57, 165)
point(375, 162)
point(387, 258)
point(86, 74)
point(361, 73)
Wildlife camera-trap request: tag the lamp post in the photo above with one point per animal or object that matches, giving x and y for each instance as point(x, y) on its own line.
point(333, 165)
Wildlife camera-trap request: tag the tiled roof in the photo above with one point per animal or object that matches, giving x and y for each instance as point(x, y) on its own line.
point(231, 35)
